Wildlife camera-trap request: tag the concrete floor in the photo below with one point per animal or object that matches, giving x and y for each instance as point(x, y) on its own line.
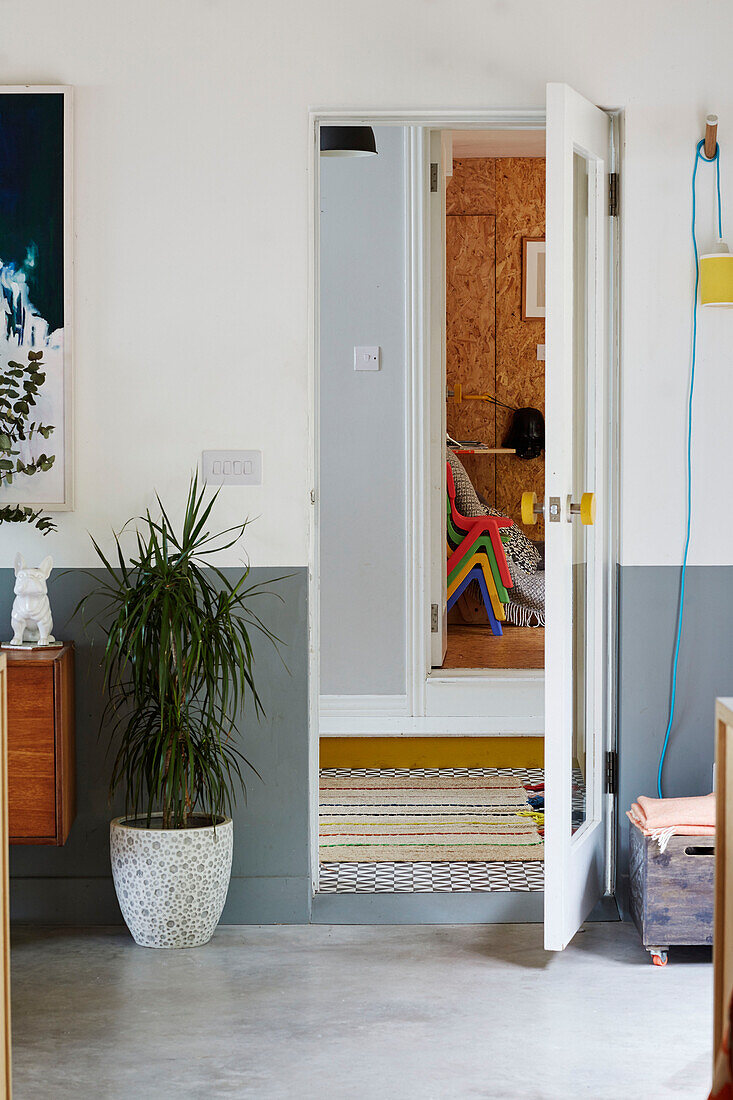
point(411, 1012)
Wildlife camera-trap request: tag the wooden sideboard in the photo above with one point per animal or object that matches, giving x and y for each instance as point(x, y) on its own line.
point(722, 937)
point(41, 764)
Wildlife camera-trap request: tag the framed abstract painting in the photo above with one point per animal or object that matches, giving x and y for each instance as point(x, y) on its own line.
point(36, 282)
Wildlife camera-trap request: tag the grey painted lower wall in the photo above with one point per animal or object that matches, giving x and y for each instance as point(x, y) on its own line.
point(648, 600)
point(270, 882)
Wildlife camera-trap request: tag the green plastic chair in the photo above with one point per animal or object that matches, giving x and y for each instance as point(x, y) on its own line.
point(484, 544)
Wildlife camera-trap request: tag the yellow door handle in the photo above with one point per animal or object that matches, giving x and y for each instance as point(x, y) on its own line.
point(586, 509)
point(531, 509)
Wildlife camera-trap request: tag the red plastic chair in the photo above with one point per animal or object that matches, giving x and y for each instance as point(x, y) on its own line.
point(475, 526)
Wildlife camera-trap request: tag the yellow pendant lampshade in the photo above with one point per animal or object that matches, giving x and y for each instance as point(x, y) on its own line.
point(716, 277)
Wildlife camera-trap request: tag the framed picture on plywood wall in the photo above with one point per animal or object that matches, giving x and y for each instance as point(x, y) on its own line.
point(36, 289)
point(533, 278)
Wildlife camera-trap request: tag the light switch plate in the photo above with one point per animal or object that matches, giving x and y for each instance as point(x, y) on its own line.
point(367, 358)
point(232, 467)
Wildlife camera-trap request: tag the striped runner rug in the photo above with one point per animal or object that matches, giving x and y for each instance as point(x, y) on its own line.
point(405, 819)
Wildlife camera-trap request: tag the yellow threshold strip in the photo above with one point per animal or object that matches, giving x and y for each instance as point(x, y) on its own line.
point(432, 752)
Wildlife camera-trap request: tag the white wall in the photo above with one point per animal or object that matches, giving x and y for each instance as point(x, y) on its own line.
point(192, 217)
point(362, 422)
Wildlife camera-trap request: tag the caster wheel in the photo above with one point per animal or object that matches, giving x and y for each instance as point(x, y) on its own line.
point(659, 958)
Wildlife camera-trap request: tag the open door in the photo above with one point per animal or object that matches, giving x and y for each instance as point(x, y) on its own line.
point(577, 510)
point(438, 580)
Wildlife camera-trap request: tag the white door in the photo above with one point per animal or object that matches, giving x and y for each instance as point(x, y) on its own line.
point(577, 553)
point(438, 579)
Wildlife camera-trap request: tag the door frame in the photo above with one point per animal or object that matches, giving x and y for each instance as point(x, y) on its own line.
point(407, 716)
point(511, 702)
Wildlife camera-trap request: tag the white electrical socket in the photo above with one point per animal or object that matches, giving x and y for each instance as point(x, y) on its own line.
point(232, 467)
point(367, 358)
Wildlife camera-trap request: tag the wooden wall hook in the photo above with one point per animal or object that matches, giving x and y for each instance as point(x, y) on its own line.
point(711, 136)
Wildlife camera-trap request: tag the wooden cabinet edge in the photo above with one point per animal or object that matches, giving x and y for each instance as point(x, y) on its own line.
point(64, 719)
point(5, 1055)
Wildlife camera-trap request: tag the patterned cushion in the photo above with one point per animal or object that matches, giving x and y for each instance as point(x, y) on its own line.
point(519, 547)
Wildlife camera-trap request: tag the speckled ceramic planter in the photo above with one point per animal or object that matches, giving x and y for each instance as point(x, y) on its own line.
point(171, 883)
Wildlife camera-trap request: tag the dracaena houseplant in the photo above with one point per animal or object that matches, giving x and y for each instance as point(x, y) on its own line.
point(178, 664)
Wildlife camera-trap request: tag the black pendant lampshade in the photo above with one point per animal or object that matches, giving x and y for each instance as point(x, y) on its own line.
point(348, 141)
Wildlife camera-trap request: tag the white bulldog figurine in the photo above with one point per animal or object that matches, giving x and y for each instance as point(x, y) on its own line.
point(31, 608)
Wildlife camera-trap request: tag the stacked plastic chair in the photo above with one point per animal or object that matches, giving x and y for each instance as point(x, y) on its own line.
point(476, 553)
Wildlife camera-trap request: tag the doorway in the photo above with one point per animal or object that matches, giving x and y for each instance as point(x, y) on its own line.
point(420, 703)
point(494, 278)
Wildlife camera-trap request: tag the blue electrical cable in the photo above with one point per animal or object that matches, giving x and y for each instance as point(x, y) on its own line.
point(681, 606)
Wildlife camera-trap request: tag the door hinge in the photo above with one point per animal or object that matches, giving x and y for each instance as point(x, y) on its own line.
point(434, 176)
point(613, 194)
point(612, 772)
point(313, 496)
point(433, 618)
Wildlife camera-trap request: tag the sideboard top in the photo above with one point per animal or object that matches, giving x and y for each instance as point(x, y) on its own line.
point(41, 654)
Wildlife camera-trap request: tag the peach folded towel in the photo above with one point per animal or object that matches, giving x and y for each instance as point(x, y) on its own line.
point(685, 816)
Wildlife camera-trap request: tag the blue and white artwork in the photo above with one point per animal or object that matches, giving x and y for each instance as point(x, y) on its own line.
point(34, 266)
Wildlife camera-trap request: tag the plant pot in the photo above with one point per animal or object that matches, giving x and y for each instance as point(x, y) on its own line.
point(171, 883)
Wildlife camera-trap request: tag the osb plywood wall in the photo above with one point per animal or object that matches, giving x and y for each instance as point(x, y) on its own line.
point(470, 338)
point(491, 205)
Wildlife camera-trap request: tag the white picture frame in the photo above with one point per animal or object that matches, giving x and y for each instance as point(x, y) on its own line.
point(533, 278)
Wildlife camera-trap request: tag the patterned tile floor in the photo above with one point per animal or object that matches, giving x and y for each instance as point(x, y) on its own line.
point(426, 878)
point(409, 878)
